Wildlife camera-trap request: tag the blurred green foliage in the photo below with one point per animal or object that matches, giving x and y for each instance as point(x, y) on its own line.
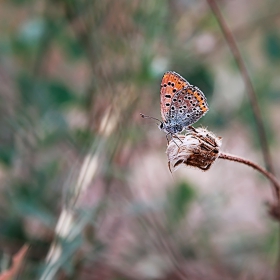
point(272, 46)
point(180, 198)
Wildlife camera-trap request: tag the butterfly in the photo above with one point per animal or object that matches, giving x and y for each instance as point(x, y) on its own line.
point(181, 104)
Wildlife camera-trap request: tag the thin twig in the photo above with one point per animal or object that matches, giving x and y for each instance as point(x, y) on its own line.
point(267, 174)
point(252, 96)
point(253, 100)
point(250, 89)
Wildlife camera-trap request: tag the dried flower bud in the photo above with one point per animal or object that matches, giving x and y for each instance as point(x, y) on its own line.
point(198, 148)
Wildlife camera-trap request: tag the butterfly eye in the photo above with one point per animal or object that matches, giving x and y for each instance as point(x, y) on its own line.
point(161, 126)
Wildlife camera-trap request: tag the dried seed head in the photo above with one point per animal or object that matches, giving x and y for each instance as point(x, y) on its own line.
point(198, 148)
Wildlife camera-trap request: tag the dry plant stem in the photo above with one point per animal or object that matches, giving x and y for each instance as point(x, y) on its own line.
point(275, 185)
point(268, 175)
point(245, 75)
point(252, 96)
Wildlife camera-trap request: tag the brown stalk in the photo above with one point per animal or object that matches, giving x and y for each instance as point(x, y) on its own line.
point(250, 89)
point(267, 174)
point(273, 209)
point(253, 100)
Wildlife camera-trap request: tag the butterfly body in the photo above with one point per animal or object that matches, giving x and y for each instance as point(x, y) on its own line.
point(181, 103)
point(171, 128)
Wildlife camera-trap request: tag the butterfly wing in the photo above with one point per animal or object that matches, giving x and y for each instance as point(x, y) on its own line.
point(170, 84)
point(188, 106)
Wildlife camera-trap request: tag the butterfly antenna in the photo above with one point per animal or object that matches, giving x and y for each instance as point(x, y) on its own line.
point(148, 117)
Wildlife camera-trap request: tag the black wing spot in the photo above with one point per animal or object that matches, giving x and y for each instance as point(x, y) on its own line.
point(179, 100)
point(169, 83)
point(185, 106)
point(167, 104)
point(165, 85)
point(172, 84)
point(168, 96)
point(174, 99)
point(174, 90)
point(172, 108)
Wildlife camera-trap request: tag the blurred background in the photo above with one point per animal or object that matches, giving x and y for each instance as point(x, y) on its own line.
point(84, 179)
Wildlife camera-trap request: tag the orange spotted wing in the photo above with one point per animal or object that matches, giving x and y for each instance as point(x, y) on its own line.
point(170, 84)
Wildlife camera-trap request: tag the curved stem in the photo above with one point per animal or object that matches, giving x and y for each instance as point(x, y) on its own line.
point(245, 75)
point(253, 100)
point(268, 175)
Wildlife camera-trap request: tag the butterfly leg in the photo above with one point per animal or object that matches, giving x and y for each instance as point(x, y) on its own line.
point(190, 127)
point(169, 133)
point(175, 136)
point(167, 137)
